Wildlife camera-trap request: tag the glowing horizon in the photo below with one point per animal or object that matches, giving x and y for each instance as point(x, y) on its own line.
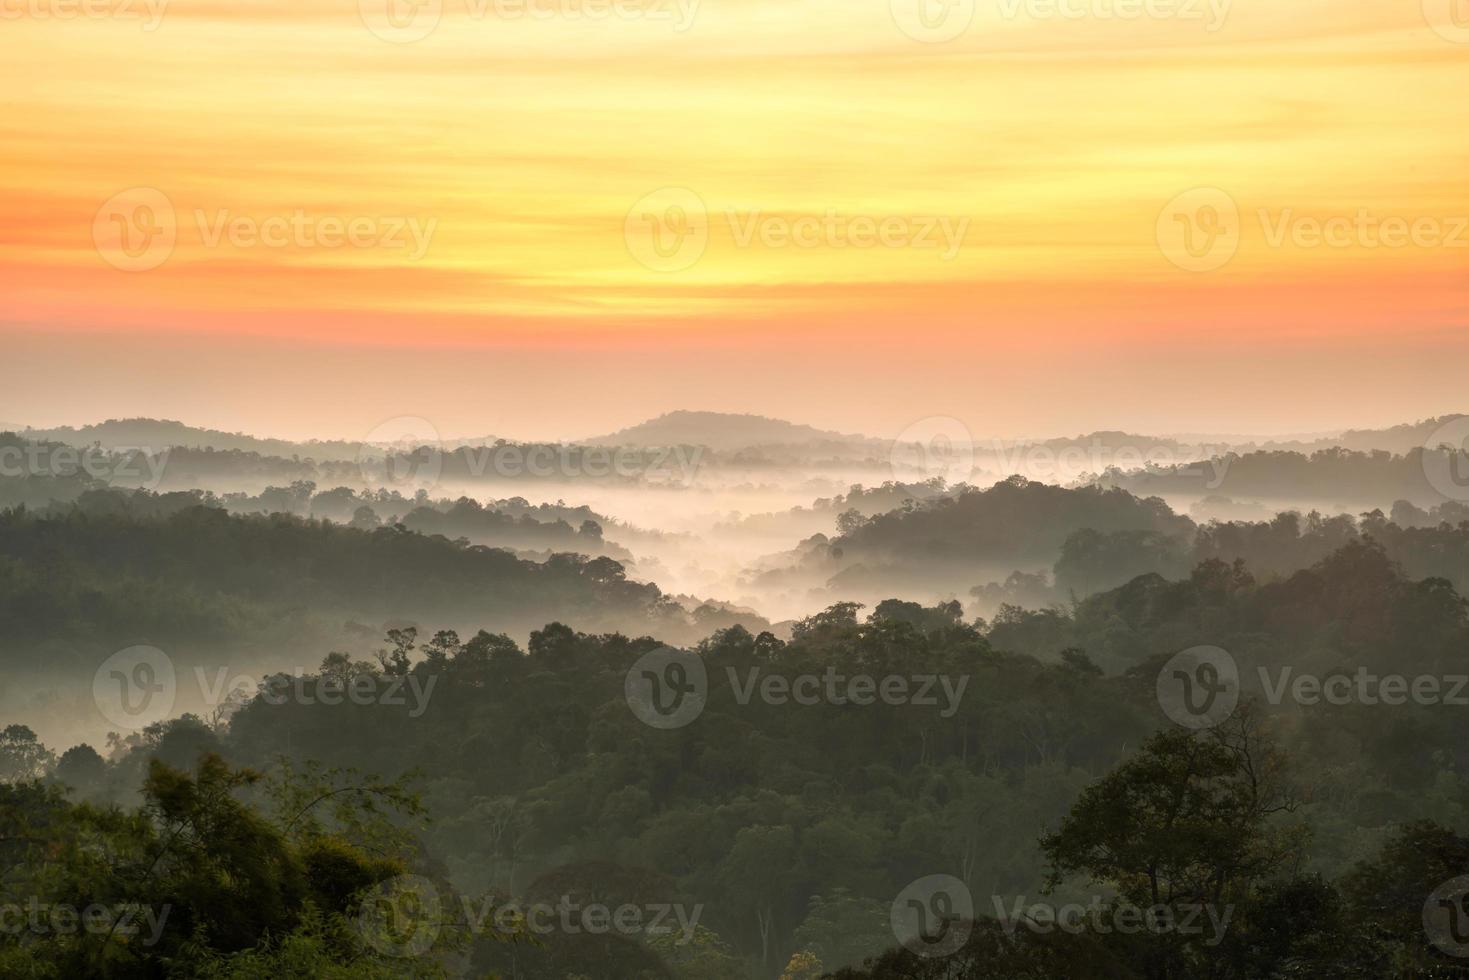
point(743, 177)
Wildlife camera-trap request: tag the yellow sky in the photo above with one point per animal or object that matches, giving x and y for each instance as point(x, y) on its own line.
point(991, 175)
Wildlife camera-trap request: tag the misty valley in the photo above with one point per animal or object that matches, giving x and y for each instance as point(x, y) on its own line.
point(734, 490)
point(721, 696)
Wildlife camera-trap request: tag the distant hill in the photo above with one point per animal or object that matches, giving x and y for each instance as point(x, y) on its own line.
point(159, 434)
point(156, 435)
point(719, 431)
point(1399, 439)
point(198, 575)
point(1109, 439)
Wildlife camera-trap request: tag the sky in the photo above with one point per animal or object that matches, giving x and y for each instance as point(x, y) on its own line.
point(551, 218)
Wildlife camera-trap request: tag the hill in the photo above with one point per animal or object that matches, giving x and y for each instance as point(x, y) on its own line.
point(158, 434)
point(719, 431)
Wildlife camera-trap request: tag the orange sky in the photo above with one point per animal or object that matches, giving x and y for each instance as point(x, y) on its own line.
point(557, 216)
